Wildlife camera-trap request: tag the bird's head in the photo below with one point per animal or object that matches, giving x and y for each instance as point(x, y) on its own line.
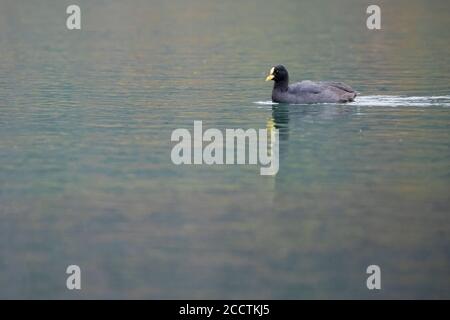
point(278, 74)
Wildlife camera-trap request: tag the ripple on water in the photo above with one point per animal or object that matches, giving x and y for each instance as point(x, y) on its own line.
point(390, 101)
point(402, 101)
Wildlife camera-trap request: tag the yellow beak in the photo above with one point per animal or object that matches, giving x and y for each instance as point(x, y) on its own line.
point(271, 76)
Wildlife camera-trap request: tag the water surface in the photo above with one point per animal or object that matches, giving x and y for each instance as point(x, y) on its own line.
point(85, 171)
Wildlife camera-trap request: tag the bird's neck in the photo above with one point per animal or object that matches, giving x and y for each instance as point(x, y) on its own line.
point(281, 85)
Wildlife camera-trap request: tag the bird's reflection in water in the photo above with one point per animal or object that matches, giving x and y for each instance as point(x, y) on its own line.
point(285, 116)
point(280, 121)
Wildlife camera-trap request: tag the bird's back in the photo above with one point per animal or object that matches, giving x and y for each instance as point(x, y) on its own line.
point(316, 92)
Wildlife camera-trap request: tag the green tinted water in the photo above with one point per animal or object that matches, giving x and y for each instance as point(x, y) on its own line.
point(85, 171)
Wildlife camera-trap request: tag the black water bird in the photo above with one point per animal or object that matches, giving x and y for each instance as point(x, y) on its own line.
point(307, 91)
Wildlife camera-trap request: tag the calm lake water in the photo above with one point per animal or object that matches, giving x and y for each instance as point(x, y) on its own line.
point(86, 176)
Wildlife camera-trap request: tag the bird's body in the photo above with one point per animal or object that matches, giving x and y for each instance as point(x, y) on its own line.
point(307, 91)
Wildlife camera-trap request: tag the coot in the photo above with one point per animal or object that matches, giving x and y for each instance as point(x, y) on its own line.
point(307, 91)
